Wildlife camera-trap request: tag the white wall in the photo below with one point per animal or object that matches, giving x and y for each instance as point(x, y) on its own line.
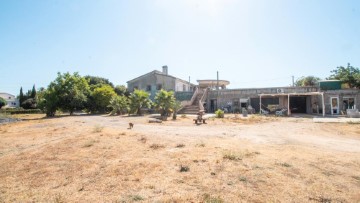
point(179, 86)
point(10, 99)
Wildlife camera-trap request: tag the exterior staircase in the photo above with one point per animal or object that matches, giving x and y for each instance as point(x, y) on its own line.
point(194, 108)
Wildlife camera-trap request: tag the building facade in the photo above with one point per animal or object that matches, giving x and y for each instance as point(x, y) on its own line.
point(156, 80)
point(309, 100)
point(12, 101)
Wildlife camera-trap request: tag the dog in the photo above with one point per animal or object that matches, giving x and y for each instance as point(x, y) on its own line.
point(131, 125)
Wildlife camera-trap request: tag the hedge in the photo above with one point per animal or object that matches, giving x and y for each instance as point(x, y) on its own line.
point(20, 111)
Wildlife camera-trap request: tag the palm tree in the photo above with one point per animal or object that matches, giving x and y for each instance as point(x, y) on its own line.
point(119, 105)
point(176, 107)
point(139, 99)
point(307, 81)
point(164, 102)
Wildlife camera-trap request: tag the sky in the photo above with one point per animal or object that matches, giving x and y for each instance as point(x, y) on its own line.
point(251, 43)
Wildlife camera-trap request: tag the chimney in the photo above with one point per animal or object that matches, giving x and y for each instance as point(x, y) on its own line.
point(165, 70)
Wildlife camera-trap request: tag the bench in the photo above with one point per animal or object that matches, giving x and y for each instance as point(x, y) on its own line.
point(201, 120)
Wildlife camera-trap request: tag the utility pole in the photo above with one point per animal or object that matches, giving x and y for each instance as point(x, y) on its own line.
point(217, 88)
point(293, 83)
point(217, 81)
point(189, 84)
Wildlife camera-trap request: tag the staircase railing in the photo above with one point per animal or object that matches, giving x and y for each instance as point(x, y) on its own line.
point(194, 96)
point(202, 100)
point(188, 103)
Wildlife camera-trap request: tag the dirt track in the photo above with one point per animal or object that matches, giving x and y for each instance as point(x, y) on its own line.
point(294, 131)
point(257, 159)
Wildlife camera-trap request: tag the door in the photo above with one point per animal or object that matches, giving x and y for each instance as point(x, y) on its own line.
point(298, 104)
point(334, 101)
point(213, 105)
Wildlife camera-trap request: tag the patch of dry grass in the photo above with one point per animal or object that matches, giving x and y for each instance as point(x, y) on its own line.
point(73, 165)
point(156, 146)
point(98, 128)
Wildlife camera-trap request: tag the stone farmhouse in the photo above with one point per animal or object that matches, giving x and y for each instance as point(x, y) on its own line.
point(156, 80)
point(328, 98)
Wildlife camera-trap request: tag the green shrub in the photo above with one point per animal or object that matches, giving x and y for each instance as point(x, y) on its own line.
point(219, 113)
point(2, 102)
point(21, 111)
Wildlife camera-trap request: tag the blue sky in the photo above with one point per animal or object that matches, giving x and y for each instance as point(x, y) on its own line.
point(252, 43)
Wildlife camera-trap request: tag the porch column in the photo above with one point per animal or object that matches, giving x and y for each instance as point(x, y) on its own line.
point(323, 104)
point(288, 111)
point(260, 105)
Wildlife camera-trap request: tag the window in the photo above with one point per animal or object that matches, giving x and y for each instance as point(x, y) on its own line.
point(348, 103)
point(148, 88)
point(158, 87)
point(184, 88)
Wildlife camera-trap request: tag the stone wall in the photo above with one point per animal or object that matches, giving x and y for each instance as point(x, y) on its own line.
point(234, 96)
point(341, 94)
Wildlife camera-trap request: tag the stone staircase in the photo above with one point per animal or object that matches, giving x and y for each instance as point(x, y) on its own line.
point(194, 107)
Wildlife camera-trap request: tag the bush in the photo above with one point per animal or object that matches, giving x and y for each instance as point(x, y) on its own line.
point(21, 111)
point(2, 102)
point(219, 113)
point(29, 104)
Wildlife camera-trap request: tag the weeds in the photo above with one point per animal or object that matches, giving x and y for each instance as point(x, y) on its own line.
point(356, 177)
point(183, 116)
point(219, 113)
point(200, 145)
point(184, 168)
point(156, 146)
point(243, 179)
point(180, 145)
point(209, 199)
point(321, 199)
point(285, 165)
point(353, 122)
point(251, 154)
point(89, 143)
point(232, 156)
point(143, 139)
point(137, 198)
point(58, 199)
point(98, 128)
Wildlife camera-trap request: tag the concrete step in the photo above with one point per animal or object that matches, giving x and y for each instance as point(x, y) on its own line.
point(189, 110)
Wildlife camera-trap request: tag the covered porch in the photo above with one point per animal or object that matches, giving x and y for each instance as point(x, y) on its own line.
point(295, 96)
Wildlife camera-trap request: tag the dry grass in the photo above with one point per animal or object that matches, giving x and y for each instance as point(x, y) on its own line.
point(98, 129)
point(58, 160)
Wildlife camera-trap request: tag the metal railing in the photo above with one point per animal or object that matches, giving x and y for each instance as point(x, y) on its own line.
point(202, 100)
point(189, 103)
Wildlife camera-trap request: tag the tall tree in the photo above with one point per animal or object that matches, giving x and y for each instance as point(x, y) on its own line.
point(102, 96)
point(67, 92)
point(51, 101)
point(121, 90)
point(33, 92)
point(164, 102)
point(95, 81)
point(348, 75)
point(21, 96)
point(307, 81)
point(40, 98)
point(139, 99)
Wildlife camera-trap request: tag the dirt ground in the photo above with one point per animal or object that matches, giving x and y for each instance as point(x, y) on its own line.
point(253, 159)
